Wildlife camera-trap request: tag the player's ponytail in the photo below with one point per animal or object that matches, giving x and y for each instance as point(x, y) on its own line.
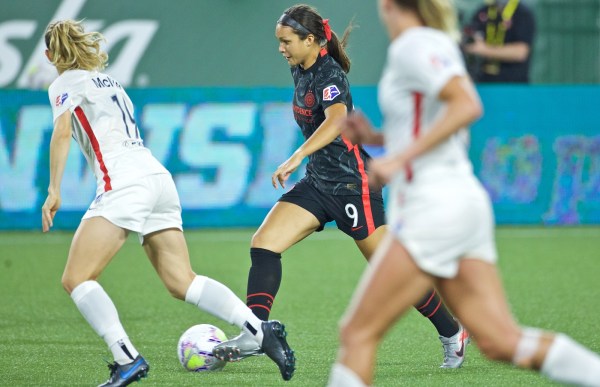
point(72, 48)
point(337, 48)
point(305, 20)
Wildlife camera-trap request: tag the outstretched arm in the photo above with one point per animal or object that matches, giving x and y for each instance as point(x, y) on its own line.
point(59, 150)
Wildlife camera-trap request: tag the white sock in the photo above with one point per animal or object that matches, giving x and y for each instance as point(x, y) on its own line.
point(569, 362)
point(217, 299)
point(527, 347)
point(100, 312)
point(342, 376)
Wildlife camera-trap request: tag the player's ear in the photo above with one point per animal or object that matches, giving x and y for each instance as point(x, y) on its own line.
point(310, 39)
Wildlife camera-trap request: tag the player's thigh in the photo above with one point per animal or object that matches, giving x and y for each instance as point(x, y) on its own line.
point(477, 298)
point(95, 243)
point(165, 212)
point(168, 253)
point(286, 224)
point(368, 245)
point(390, 285)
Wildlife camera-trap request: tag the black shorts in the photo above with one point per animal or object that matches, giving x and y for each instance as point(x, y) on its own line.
point(356, 215)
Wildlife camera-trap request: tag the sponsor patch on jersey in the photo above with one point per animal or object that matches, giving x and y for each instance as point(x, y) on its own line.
point(330, 92)
point(60, 99)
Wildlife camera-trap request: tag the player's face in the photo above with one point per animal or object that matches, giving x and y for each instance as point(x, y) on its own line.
point(293, 49)
point(382, 6)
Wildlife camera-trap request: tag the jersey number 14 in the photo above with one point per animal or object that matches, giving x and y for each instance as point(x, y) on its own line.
point(128, 119)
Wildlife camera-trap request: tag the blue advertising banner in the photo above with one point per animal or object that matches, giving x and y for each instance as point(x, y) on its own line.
point(537, 151)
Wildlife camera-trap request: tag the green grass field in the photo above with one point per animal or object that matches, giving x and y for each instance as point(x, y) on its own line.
point(551, 277)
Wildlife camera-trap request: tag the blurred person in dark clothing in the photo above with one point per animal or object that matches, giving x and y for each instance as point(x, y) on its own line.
point(499, 42)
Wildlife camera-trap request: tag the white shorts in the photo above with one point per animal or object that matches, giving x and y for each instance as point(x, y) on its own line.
point(442, 219)
point(148, 205)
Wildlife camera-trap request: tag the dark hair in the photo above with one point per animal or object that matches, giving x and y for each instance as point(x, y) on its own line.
point(308, 21)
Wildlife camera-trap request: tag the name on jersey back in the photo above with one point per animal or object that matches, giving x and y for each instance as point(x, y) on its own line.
point(106, 82)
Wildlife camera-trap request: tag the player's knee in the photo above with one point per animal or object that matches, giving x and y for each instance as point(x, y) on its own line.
point(259, 240)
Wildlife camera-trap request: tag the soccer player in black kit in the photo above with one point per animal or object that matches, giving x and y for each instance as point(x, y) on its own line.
point(335, 187)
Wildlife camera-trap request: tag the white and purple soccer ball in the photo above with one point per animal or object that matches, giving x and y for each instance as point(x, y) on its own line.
point(195, 346)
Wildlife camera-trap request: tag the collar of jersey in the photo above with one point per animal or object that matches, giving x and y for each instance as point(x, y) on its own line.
point(315, 65)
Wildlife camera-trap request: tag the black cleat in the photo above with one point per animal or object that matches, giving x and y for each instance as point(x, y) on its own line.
point(123, 375)
point(276, 347)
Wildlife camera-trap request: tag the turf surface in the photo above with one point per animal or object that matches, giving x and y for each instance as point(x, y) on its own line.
point(550, 274)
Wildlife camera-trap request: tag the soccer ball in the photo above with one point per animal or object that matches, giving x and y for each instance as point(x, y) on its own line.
point(195, 348)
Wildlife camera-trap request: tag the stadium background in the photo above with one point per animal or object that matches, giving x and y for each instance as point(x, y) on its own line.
point(212, 97)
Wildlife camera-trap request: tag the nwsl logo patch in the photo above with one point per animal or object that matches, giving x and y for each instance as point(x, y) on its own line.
point(330, 92)
point(60, 99)
point(440, 62)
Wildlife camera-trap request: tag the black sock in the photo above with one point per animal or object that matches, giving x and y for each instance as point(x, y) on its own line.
point(263, 281)
point(432, 307)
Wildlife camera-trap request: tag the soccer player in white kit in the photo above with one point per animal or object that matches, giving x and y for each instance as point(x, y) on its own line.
point(135, 193)
point(441, 227)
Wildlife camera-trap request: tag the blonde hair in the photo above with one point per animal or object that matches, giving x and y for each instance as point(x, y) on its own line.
point(72, 48)
point(441, 15)
point(438, 14)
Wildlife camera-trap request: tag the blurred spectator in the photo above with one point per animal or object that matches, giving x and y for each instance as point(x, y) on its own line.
point(498, 42)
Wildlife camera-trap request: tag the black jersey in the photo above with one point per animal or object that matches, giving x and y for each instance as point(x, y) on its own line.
point(339, 167)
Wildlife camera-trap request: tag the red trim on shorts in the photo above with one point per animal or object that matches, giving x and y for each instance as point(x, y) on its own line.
point(95, 146)
point(366, 194)
point(260, 294)
point(418, 107)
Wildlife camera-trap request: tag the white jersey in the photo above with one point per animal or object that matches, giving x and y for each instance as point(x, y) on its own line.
point(104, 127)
point(443, 213)
point(419, 64)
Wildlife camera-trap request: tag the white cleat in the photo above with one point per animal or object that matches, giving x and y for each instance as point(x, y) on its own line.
point(454, 348)
point(274, 345)
point(240, 347)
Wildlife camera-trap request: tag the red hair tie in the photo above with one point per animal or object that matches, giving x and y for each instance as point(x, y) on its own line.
point(327, 29)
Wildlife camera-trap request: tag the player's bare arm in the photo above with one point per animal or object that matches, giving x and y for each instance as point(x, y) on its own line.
point(59, 150)
point(328, 131)
point(509, 52)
